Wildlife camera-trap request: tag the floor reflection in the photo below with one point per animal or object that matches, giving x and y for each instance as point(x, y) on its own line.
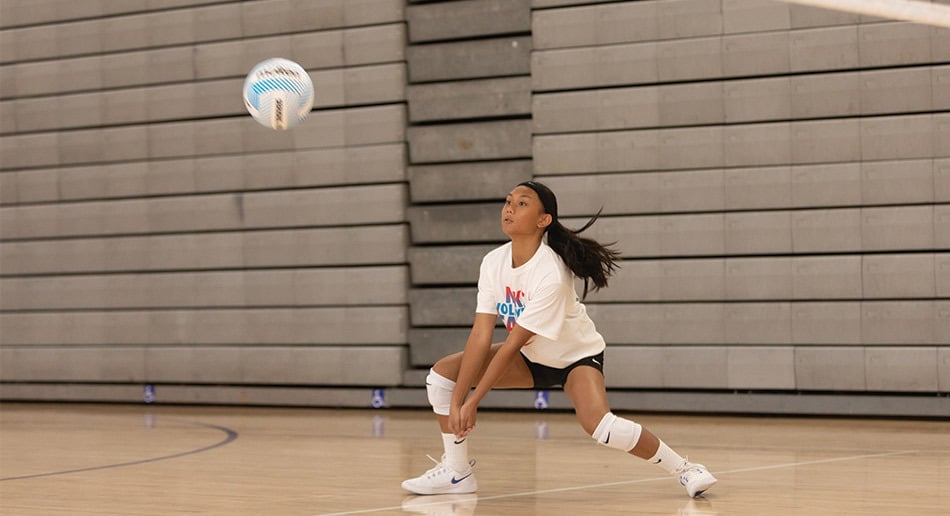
point(697, 507)
point(441, 505)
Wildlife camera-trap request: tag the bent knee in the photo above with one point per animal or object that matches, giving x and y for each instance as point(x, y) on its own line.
point(617, 432)
point(589, 422)
point(448, 366)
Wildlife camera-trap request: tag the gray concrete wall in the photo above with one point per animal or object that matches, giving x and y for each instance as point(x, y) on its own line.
point(777, 178)
point(770, 174)
point(152, 233)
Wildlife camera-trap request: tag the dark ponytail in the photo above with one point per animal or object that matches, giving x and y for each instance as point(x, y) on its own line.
point(586, 258)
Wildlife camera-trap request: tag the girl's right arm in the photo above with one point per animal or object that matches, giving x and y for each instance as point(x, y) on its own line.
point(473, 359)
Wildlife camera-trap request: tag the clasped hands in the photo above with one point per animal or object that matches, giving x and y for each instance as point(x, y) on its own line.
point(462, 418)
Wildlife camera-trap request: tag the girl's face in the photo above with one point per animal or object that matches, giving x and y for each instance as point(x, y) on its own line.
point(523, 213)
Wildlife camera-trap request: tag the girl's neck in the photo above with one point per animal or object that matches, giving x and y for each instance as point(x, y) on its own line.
point(522, 249)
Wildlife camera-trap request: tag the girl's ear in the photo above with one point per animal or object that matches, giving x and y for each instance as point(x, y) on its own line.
point(545, 220)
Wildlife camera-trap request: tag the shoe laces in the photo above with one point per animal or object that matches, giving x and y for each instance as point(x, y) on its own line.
point(438, 468)
point(688, 468)
point(442, 468)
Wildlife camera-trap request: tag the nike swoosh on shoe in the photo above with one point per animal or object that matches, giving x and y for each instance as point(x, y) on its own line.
point(457, 480)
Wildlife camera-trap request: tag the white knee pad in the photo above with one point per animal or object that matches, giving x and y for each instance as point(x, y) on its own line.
point(617, 432)
point(440, 390)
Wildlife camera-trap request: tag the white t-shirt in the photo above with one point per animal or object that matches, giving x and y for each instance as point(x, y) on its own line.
point(539, 295)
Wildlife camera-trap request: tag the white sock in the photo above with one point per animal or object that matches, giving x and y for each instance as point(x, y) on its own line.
point(456, 452)
point(667, 459)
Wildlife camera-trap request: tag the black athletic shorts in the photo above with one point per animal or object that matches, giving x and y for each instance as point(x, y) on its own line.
point(546, 377)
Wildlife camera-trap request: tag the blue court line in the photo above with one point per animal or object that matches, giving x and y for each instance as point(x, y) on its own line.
point(230, 435)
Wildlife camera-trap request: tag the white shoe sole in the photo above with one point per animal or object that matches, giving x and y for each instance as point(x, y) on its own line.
point(460, 488)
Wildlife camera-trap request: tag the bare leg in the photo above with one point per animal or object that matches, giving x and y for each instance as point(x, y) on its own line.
point(586, 388)
point(454, 474)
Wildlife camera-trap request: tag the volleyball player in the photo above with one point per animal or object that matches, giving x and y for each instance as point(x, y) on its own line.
point(551, 343)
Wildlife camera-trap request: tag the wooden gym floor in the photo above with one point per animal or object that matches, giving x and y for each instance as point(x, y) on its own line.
point(141, 460)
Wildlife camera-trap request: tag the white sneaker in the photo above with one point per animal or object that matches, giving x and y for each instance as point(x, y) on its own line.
point(442, 505)
point(443, 480)
point(695, 478)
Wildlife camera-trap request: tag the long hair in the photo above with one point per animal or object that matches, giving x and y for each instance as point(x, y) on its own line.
point(588, 259)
